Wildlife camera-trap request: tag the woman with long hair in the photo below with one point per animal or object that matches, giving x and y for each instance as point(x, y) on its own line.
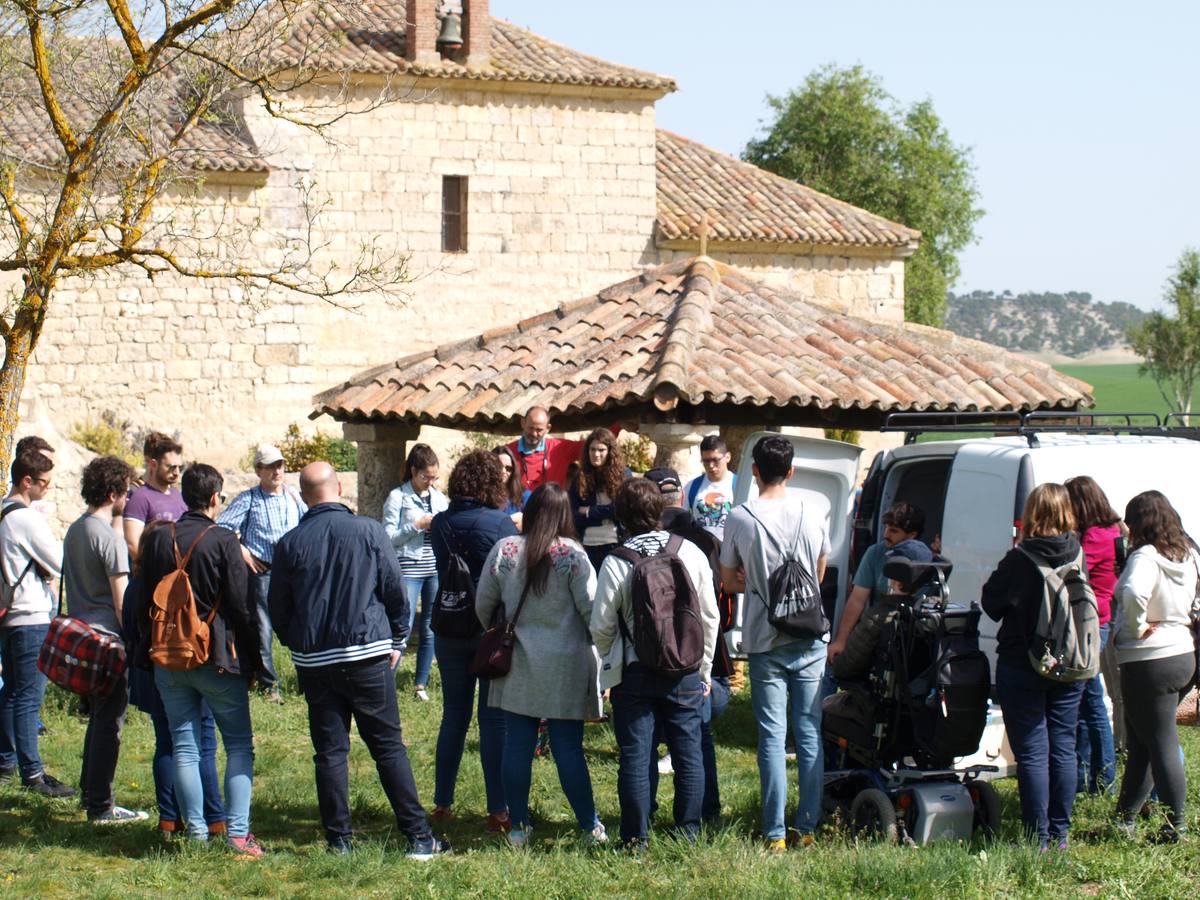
point(554, 676)
point(470, 527)
point(407, 517)
point(1040, 715)
point(514, 488)
point(1156, 652)
point(601, 474)
point(1099, 529)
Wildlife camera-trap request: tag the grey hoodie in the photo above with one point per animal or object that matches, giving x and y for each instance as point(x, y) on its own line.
point(1154, 590)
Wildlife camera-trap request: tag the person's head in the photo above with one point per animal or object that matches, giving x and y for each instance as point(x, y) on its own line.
point(601, 467)
point(33, 442)
point(269, 466)
point(669, 485)
point(639, 506)
point(319, 483)
point(714, 456)
point(1153, 520)
point(30, 473)
point(535, 426)
point(547, 519)
point(1090, 505)
point(772, 460)
point(201, 488)
point(514, 488)
point(421, 467)
point(1047, 512)
point(902, 522)
point(105, 482)
point(477, 476)
point(164, 459)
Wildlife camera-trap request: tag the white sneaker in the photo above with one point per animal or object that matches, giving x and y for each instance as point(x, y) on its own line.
point(664, 765)
point(596, 836)
point(520, 837)
point(119, 815)
point(422, 694)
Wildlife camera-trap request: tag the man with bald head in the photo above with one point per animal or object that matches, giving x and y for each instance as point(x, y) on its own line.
point(337, 602)
point(542, 458)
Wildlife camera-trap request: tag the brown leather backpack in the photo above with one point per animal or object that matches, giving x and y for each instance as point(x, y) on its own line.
point(179, 638)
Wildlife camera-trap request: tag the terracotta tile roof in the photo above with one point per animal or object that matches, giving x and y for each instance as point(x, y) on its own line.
point(371, 38)
point(746, 203)
point(697, 332)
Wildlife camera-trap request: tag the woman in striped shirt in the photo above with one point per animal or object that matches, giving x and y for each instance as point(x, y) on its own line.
point(407, 515)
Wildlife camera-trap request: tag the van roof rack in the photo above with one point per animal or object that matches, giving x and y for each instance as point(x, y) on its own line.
point(1034, 422)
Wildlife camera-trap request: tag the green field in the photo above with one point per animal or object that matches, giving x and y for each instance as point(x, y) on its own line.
point(48, 849)
point(1119, 388)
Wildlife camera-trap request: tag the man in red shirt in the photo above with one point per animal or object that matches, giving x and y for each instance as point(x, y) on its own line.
point(543, 458)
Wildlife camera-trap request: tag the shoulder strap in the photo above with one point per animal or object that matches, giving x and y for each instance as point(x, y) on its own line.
point(11, 506)
point(628, 554)
point(181, 563)
point(674, 543)
point(694, 491)
point(766, 531)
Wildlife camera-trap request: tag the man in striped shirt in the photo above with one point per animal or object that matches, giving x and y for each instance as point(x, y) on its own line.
point(260, 517)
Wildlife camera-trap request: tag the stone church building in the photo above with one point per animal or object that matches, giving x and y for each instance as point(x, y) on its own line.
point(516, 174)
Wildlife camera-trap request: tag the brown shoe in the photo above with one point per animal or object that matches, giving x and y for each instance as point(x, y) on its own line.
point(441, 815)
point(500, 823)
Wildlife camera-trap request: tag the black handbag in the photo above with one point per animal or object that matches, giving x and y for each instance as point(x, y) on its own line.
point(493, 658)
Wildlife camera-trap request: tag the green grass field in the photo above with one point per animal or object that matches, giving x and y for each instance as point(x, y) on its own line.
point(48, 849)
point(1119, 388)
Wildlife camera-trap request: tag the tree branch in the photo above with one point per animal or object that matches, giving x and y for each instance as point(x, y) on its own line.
point(41, 69)
point(133, 40)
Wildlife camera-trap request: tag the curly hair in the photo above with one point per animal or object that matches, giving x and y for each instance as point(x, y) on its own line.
point(1153, 520)
point(478, 476)
point(103, 477)
point(608, 477)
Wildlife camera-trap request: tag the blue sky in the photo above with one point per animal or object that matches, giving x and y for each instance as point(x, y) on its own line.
point(1084, 118)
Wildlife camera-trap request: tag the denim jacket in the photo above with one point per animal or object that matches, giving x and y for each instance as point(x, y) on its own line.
point(401, 509)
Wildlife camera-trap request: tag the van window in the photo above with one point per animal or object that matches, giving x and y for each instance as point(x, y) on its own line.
point(921, 483)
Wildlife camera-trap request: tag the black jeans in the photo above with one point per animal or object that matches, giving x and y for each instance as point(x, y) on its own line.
point(366, 690)
point(101, 746)
point(1153, 690)
point(642, 698)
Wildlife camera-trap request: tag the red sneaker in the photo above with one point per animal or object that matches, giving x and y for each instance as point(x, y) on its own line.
point(247, 846)
point(498, 822)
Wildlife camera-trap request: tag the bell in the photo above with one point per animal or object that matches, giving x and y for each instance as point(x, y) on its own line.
point(450, 37)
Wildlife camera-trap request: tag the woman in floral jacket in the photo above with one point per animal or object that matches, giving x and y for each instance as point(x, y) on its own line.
point(554, 665)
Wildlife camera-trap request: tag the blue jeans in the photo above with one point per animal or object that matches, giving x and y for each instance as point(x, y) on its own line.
point(454, 656)
point(423, 589)
point(642, 699)
point(1094, 751)
point(21, 698)
point(1040, 717)
point(164, 768)
point(260, 587)
point(566, 743)
point(714, 705)
point(227, 695)
point(785, 683)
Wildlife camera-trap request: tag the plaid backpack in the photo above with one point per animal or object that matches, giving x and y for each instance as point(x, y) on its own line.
point(80, 658)
point(179, 638)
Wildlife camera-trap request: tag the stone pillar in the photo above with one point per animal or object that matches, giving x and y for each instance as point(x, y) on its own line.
point(382, 448)
point(735, 437)
point(678, 446)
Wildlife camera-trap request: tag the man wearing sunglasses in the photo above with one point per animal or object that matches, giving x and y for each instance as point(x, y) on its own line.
point(158, 498)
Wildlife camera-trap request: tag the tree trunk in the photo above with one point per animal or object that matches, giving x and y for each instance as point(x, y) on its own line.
point(18, 348)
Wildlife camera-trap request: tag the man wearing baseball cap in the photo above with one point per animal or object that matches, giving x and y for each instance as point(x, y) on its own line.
point(261, 516)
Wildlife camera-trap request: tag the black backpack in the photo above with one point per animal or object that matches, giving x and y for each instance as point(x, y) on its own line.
point(794, 598)
point(667, 634)
point(454, 606)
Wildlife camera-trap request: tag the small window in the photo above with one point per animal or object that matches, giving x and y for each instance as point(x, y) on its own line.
point(454, 213)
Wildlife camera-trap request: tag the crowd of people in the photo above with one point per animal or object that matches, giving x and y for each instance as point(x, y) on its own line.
point(605, 588)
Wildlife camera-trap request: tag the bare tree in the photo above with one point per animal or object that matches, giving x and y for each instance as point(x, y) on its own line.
point(112, 115)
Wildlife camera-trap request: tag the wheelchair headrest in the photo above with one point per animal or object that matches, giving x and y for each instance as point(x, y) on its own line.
point(913, 575)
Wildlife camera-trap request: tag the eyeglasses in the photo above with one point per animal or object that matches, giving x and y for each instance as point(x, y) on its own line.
point(177, 467)
point(44, 482)
point(221, 497)
point(711, 460)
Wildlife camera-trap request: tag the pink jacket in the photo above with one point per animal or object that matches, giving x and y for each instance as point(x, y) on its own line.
point(1101, 555)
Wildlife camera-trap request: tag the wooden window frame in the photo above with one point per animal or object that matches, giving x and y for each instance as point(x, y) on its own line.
point(454, 213)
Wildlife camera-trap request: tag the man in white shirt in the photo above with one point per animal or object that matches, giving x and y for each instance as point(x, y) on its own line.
point(709, 497)
point(30, 559)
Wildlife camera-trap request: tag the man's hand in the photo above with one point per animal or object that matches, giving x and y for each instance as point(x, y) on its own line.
point(394, 660)
point(256, 565)
point(706, 688)
point(835, 649)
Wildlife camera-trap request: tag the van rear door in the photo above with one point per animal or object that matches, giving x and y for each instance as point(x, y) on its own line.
point(824, 477)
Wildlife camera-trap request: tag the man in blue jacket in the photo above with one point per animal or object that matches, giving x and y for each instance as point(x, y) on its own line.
point(337, 602)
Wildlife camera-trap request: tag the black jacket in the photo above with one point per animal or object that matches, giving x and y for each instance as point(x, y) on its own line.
point(337, 593)
point(217, 573)
point(472, 527)
point(1013, 593)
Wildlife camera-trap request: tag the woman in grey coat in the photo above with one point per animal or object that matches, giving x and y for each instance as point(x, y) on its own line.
point(554, 665)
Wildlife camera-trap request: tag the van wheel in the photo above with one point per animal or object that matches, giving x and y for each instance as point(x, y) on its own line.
point(873, 816)
point(987, 808)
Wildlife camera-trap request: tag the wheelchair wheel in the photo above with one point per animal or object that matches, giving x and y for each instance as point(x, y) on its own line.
point(987, 808)
point(873, 816)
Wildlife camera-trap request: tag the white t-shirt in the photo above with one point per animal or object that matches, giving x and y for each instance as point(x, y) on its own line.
point(791, 523)
point(713, 501)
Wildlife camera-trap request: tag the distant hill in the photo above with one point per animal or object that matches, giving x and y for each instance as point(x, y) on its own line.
point(1071, 324)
